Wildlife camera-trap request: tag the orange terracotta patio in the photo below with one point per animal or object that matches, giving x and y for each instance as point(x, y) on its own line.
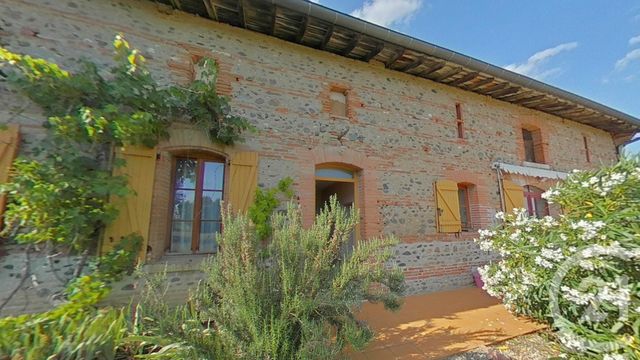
point(438, 325)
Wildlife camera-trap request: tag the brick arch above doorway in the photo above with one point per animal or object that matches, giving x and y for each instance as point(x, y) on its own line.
point(370, 194)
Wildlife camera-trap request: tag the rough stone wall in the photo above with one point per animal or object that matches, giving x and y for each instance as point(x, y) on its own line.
point(401, 137)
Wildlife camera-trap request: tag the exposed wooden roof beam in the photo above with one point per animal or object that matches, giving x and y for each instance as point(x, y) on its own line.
point(447, 74)
point(379, 47)
point(480, 84)
point(303, 29)
point(274, 20)
point(412, 65)
point(352, 45)
point(176, 4)
point(241, 14)
point(556, 107)
point(470, 76)
point(529, 99)
point(327, 37)
point(493, 88)
point(211, 9)
point(435, 67)
point(546, 102)
point(507, 91)
point(395, 58)
point(517, 96)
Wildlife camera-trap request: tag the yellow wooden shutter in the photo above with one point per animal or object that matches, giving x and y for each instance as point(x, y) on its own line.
point(448, 211)
point(9, 140)
point(243, 180)
point(513, 196)
point(134, 210)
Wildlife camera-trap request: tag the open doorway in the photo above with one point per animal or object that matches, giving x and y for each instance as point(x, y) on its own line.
point(341, 182)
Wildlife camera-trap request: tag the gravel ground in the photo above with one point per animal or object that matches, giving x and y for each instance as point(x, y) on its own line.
point(528, 347)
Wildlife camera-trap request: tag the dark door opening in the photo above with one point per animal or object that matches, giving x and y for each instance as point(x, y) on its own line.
point(344, 188)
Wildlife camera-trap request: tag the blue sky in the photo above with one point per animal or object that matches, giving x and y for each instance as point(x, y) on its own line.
point(588, 47)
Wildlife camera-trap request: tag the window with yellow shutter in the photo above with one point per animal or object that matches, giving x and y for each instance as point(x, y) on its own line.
point(448, 206)
point(9, 140)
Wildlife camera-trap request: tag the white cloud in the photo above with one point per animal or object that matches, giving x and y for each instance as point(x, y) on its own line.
point(634, 40)
point(534, 66)
point(387, 12)
point(628, 58)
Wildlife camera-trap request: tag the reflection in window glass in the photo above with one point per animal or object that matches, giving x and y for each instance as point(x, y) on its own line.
point(197, 196)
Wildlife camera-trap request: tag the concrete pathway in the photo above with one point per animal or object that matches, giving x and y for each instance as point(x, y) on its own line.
point(438, 325)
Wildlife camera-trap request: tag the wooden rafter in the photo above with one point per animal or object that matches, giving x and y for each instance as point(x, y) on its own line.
point(556, 107)
point(480, 83)
point(352, 44)
point(517, 96)
point(395, 58)
point(303, 29)
point(274, 20)
point(412, 65)
point(470, 76)
point(211, 9)
point(327, 37)
point(176, 4)
point(507, 91)
point(529, 100)
point(376, 50)
point(433, 68)
point(493, 88)
point(561, 108)
point(241, 14)
point(447, 74)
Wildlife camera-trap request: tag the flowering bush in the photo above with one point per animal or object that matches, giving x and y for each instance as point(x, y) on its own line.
point(580, 272)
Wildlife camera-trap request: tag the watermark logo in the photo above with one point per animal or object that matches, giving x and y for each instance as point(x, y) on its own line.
point(593, 296)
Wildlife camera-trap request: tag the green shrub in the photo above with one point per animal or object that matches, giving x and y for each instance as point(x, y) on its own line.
point(293, 298)
point(265, 203)
point(580, 271)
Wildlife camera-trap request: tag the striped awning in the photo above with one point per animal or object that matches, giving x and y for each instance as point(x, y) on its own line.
point(530, 171)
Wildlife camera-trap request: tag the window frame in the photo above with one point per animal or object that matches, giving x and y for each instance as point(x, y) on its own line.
point(201, 159)
point(531, 194)
point(465, 225)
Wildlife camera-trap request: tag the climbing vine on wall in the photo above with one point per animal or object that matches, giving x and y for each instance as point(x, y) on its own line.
point(59, 196)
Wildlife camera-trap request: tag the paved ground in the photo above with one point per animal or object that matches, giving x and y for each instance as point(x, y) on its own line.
point(438, 325)
point(527, 347)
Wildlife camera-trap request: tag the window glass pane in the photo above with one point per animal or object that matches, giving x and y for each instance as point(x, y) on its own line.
point(541, 207)
point(213, 175)
point(334, 173)
point(183, 204)
point(181, 236)
point(464, 210)
point(208, 232)
point(186, 173)
point(211, 205)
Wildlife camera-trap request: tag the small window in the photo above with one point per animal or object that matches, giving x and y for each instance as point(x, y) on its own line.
point(532, 140)
point(586, 149)
point(196, 217)
point(459, 121)
point(338, 103)
point(465, 208)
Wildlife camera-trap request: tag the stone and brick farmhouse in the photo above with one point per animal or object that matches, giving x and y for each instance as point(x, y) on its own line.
point(427, 143)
